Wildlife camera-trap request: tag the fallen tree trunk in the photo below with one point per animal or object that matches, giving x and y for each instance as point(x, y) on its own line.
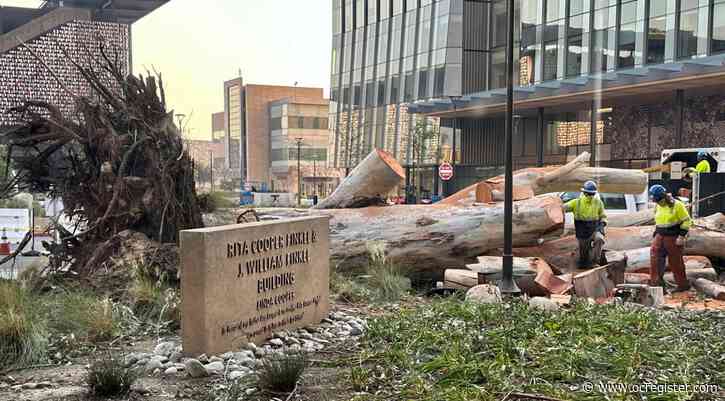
point(430, 238)
point(640, 218)
point(703, 240)
point(377, 175)
point(638, 260)
point(710, 289)
point(543, 180)
point(599, 282)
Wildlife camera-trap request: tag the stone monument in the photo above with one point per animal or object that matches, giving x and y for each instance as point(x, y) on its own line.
point(241, 283)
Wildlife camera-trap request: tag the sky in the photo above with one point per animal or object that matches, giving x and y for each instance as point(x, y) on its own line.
point(197, 45)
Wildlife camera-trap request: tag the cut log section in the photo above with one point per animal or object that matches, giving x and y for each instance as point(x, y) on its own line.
point(543, 180)
point(600, 282)
point(376, 176)
point(429, 238)
point(692, 276)
point(711, 289)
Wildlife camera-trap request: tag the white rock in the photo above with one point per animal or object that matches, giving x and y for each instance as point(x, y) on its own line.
point(237, 374)
point(171, 371)
point(251, 346)
point(195, 368)
point(214, 368)
point(543, 304)
point(216, 359)
point(227, 355)
point(484, 294)
point(165, 348)
point(153, 364)
point(276, 342)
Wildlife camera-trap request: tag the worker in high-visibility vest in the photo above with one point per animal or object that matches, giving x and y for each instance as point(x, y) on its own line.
point(672, 224)
point(703, 165)
point(590, 221)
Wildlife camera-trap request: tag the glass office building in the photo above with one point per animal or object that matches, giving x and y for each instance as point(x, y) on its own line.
point(622, 79)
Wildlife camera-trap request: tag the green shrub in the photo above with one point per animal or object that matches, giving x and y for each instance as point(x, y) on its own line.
point(22, 329)
point(107, 377)
point(281, 372)
point(86, 317)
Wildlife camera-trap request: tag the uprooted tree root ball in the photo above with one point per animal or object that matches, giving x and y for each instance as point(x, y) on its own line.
point(118, 163)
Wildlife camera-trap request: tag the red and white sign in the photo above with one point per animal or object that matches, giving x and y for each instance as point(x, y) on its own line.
point(445, 171)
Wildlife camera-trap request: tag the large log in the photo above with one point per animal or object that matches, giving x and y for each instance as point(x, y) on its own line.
point(710, 289)
point(377, 175)
point(638, 260)
point(543, 180)
point(705, 239)
point(599, 282)
point(430, 238)
point(692, 276)
point(643, 217)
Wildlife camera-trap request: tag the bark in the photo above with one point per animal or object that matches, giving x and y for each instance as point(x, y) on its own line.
point(543, 180)
point(376, 176)
point(431, 238)
point(710, 289)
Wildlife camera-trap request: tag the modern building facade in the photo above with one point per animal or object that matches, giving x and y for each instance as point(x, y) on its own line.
point(389, 53)
point(622, 79)
point(304, 121)
point(247, 142)
point(73, 27)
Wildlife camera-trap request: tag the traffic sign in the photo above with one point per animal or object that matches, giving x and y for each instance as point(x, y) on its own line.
point(445, 171)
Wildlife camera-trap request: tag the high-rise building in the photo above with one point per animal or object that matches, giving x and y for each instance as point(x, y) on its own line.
point(246, 124)
point(55, 31)
point(217, 127)
point(622, 79)
point(387, 54)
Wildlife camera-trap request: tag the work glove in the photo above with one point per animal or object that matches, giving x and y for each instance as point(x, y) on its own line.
point(680, 241)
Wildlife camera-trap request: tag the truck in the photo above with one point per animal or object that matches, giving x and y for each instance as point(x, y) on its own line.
point(707, 190)
point(613, 204)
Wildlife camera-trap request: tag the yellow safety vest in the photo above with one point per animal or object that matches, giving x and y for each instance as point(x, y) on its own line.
point(672, 220)
point(587, 208)
point(703, 167)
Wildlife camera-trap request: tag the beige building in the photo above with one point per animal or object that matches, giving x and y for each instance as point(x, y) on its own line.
point(301, 123)
point(247, 146)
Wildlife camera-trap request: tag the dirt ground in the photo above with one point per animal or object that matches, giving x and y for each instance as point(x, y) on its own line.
point(325, 378)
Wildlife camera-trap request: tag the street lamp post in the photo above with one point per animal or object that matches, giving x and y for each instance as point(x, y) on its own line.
point(508, 285)
point(299, 173)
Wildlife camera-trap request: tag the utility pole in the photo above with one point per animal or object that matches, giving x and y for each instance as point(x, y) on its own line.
point(508, 285)
point(299, 172)
point(211, 170)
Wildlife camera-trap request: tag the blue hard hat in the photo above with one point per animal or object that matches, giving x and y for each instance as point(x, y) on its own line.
point(701, 155)
point(590, 187)
point(657, 192)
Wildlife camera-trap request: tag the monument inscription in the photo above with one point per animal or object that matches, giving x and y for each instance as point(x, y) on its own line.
point(240, 283)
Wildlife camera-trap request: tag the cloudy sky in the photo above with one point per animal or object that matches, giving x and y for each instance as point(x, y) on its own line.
point(197, 45)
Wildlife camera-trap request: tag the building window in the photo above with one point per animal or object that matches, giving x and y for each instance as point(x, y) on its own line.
point(657, 31)
point(689, 31)
point(423, 84)
point(627, 34)
point(551, 52)
point(275, 124)
point(718, 28)
point(439, 81)
point(604, 29)
point(498, 69)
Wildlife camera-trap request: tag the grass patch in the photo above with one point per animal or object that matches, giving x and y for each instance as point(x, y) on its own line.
point(107, 377)
point(281, 372)
point(22, 328)
point(382, 280)
point(85, 316)
point(452, 350)
point(154, 299)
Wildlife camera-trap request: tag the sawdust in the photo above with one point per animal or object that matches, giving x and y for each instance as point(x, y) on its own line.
point(691, 300)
